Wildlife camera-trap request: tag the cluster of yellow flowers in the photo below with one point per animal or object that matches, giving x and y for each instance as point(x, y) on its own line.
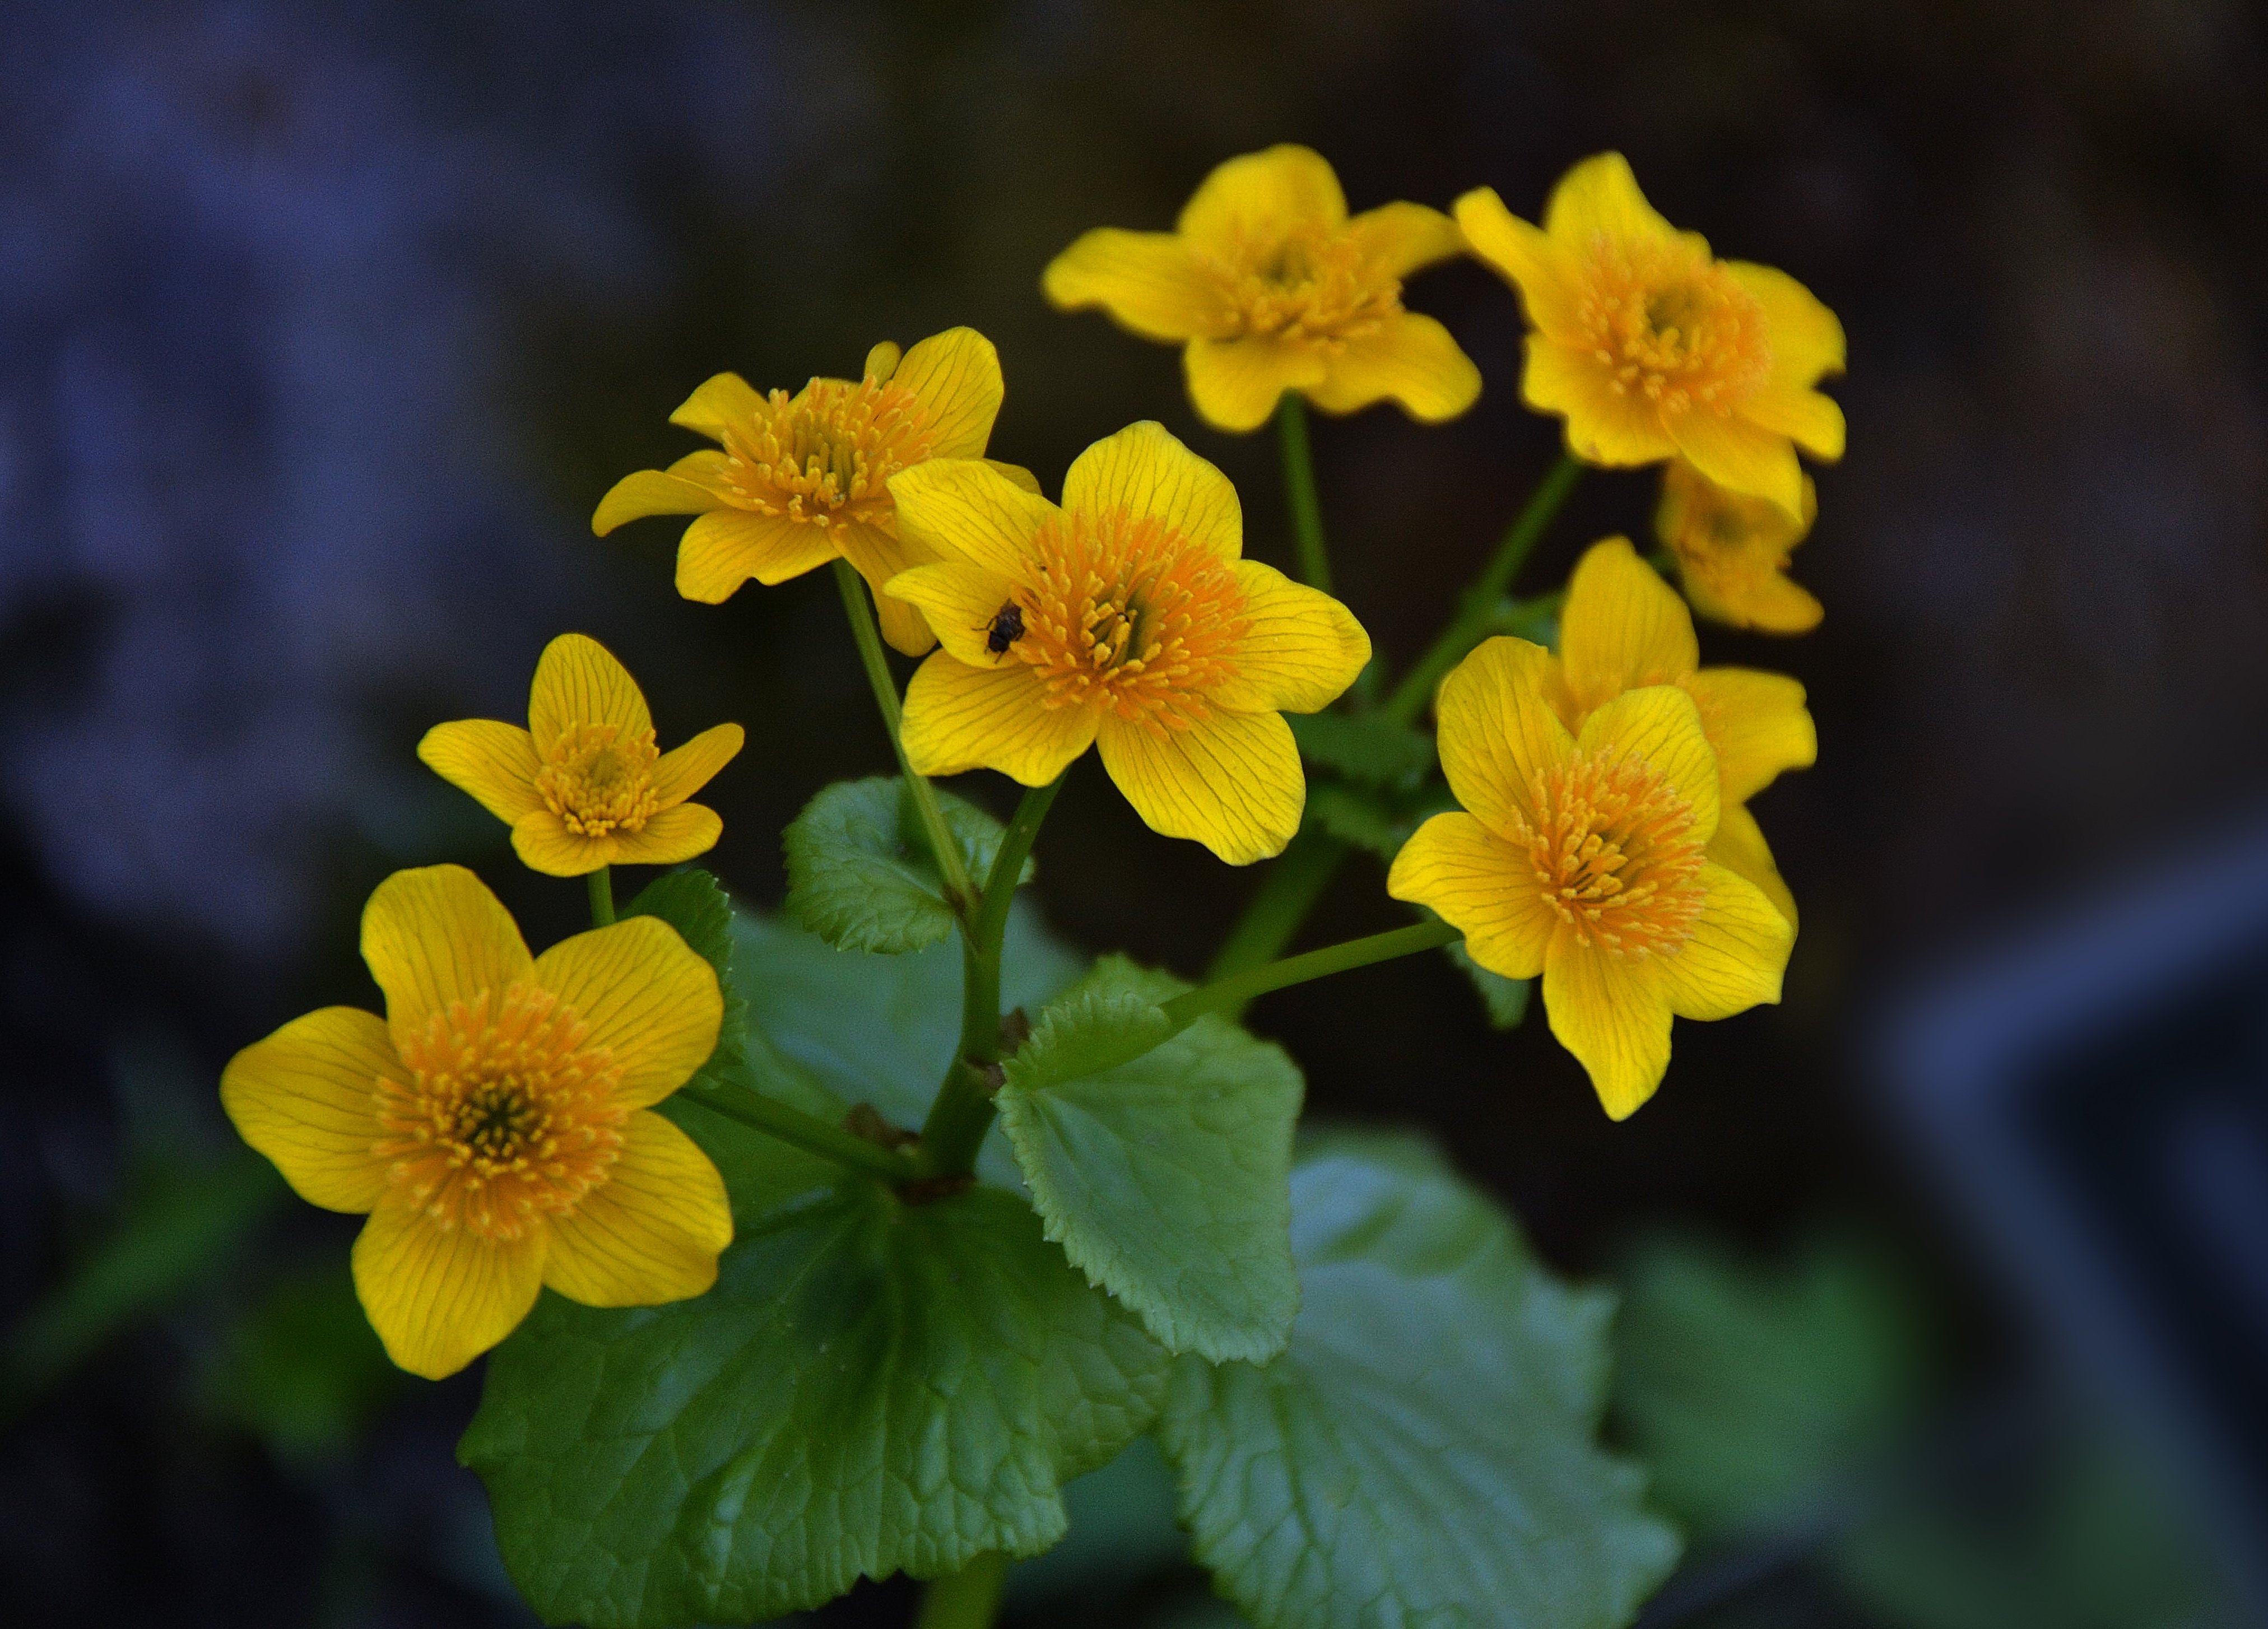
point(496, 1124)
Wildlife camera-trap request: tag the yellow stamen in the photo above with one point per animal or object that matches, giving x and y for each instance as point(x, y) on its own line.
point(1671, 324)
point(1308, 283)
point(826, 454)
point(597, 782)
point(1615, 853)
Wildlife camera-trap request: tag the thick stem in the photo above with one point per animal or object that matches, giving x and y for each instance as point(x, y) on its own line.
point(967, 1599)
point(1286, 894)
point(1478, 608)
point(1231, 993)
point(807, 1132)
point(1299, 490)
point(602, 897)
point(959, 893)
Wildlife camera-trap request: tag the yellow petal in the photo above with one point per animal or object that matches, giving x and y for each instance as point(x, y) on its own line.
point(1769, 602)
point(1258, 197)
point(1757, 722)
point(1408, 357)
point(1144, 473)
point(494, 761)
point(726, 547)
point(1739, 846)
point(1601, 197)
point(1524, 256)
point(1481, 885)
point(960, 717)
point(684, 770)
point(649, 998)
point(579, 681)
point(1616, 430)
point(726, 398)
point(1661, 725)
point(1610, 1014)
point(1737, 953)
point(439, 1298)
point(649, 492)
point(955, 376)
point(1303, 650)
point(435, 935)
point(1149, 283)
point(671, 836)
point(307, 1098)
point(1398, 238)
point(543, 843)
point(879, 553)
point(959, 602)
point(1623, 627)
point(1017, 474)
point(651, 1232)
point(1233, 783)
point(1807, 339)
point(957, 509)
point(902, 627)
point(882, 361)
point(1738, 454)
point(1235, 384)
point(1497, 731)
point(1805, 416)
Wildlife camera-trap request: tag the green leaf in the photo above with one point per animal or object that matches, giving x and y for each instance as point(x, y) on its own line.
point(1359, 819)
point(304, 1371)
point(1368, 747)
point(1424, 1451)
point(860, 875)
point(1164, 1179)
point(1121, 1531)
point(871, 1387)
point(1505, 999)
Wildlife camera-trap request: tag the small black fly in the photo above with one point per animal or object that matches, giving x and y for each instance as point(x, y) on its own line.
point(1004, 629)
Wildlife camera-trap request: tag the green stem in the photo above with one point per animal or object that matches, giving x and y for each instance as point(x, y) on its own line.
point(1479, 606)
point(602, 897)
point(962, 1112)
point(1286, 895)
point(1231, 993)
point(959, 893)
point(1299, 490)
point(807, 1132)
point(967, 1599)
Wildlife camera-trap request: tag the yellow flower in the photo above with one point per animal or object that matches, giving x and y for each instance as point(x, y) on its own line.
point(1732, 552)
point(1273, 288)
point(1624, 627)
point(496, 1124)
point(1650, 347)
point(802, 479)
point(1125, 618)
point(1581, 856)
point(582, 786)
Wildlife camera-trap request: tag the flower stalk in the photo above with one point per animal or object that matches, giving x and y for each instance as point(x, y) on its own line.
point(967, 1599)
point(602, 897)
point(1299, 491)
point(791, 1125)
point(1230, 994)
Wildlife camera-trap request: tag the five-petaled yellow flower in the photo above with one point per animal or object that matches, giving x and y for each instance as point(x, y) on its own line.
point(1624, 627)
point(1581, 856)
point(1650, 347)
point(1732, 552)
point(498, 1123)
point(1126, 618)
point(802, 479)
point(582, 786)
point(1273, 288)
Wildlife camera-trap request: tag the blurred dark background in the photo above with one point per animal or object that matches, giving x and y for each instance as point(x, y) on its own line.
point(323, 328)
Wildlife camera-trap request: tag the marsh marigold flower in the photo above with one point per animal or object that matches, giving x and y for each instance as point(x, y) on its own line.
point(1581, 856)
point(1624, 627)
point(497, 1125)
point(582, 786)
point(1648, 347)
point(1732, 552)
point(800, 479)
point(1124, 619)
point(1270, 286)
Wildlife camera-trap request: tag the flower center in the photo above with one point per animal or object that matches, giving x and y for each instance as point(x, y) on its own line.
point(1671, 324)
point(1615, 853)
point(597, 784)
point(507, 1115)
point(826, 454)
point(1306, 283)
point(1126, 614)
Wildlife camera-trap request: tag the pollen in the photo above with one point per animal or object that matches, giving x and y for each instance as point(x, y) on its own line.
point(1615, 853)
point(1671, 325)
point(508, 1115)
point(1306, 283)
point(597, 781)
point(826, 454)
point(1126, 615)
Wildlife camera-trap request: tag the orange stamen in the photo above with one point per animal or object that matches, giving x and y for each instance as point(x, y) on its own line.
point(1615, 853)
point(826, 454)
point(1305, 283)
point(1671, 324)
